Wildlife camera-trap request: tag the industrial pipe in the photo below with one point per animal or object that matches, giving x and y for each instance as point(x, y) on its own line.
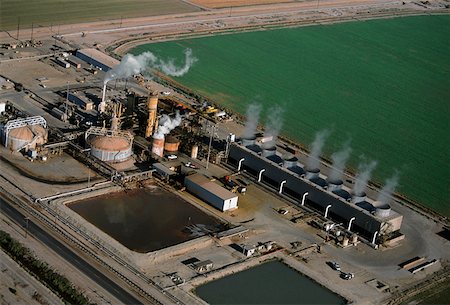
point(304, 198)
point(260, 174)
point(326, 210)
point(350, 223)
point(374, 237)
point(240, 163)
point(281, 186)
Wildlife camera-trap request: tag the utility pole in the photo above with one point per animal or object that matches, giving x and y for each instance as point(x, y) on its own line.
point(213, 127)
point(18, 27)
point(67, 99)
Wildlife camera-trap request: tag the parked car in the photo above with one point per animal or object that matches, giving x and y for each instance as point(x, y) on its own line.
point(335, 266)
point(172, 157)
point(347, 275)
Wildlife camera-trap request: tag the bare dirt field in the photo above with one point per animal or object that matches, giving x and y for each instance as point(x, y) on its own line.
point(51, 12)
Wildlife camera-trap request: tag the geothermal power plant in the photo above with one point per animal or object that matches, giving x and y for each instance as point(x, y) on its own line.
point(141, 190)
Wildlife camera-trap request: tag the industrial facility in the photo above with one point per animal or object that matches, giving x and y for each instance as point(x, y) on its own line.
point(153, 181)
point(371, 219)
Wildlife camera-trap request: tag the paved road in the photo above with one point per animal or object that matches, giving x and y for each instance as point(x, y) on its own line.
point(68, 255)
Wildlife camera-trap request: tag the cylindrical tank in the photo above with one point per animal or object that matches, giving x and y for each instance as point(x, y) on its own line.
point(334, 184)
point(312, 173)
point(248, 141)
point(354, 239)
point(269, 151)
point(158, 147)
point(171, 144)
point(345, 241)
point(359, 197)
point(194, 152)
point(20, 137)
point(382, 209)
point(290, 161)
point(110, 148)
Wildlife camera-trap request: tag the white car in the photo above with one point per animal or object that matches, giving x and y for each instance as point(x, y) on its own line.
point(166, 93)
point(172, 157)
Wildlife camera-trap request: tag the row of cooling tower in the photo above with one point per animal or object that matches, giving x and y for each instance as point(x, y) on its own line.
point(291, 163)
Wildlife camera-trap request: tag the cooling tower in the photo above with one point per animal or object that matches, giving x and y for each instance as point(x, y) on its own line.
point(171, 144)
point(334, 184)
point(248, 141)
point(290, 161)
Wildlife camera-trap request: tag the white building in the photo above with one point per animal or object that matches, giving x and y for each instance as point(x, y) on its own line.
point(211, 192)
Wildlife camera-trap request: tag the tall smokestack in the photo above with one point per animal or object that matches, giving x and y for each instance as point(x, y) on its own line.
point(104, 93)
point(152, 104)
point(102, 105)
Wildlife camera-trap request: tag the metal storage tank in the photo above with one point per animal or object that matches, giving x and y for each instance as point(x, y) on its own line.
point(29, 136)
point(110, 148)
point(158, 147)
point(171, 144)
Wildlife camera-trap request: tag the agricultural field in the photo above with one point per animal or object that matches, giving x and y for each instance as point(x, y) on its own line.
point(233, 3)
point(384, 84)
point(54, 12)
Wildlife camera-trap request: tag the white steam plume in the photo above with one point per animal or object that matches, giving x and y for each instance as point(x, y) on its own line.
point(273, 125)
point(364, 174)
point(145, 62)
point(388, 188)
point(339, 159)
point(166, 124)
point(316, 149)
point(253, 112)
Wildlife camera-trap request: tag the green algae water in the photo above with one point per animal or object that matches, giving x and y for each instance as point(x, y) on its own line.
point(269, 283)
point(383, 83)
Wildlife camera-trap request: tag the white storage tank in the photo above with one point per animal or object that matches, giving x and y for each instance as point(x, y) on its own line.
point(110, 148)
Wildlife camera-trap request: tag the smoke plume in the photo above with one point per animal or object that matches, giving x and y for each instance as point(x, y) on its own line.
point(166, 124)
point(316, 149)
point(339, 159)
point(388, 188)
point(273, 125)
point(145, 62)
point(253, 112)
point(364, 174)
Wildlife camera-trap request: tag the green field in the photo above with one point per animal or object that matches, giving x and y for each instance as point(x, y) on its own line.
point(54, 12)
point(384, 83)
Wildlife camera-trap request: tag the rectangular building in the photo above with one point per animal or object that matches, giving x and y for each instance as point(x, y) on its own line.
point(81, 101)
point(97, 59)
point(211, 192)
point(74, 61)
